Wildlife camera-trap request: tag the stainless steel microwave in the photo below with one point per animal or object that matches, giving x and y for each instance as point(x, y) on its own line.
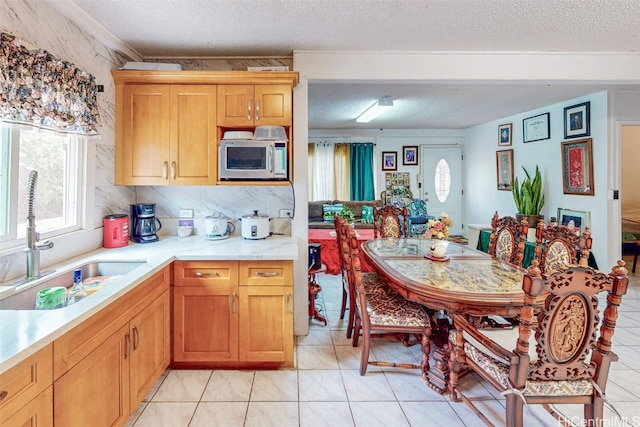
point(251, 159)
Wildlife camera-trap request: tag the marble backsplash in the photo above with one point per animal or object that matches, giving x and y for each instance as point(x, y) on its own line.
point(40, 25)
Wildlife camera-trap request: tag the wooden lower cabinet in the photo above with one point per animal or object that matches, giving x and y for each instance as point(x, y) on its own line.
point(36, 413)
point(25, 391)
point(233, 313)
point(106, 385)
point(205, 324)
point(150, 347)
point(95, 392)
point(266, 324)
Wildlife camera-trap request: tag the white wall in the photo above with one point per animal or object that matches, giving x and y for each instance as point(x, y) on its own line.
point(482, 197)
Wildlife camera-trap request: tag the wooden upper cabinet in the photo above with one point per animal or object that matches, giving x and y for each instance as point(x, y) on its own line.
point(166, 135)
point(194, 141)
point(142, 134)
point(255, 105)
point(168, 122)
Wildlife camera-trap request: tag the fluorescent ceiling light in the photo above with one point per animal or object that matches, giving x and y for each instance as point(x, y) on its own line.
point(375, 110)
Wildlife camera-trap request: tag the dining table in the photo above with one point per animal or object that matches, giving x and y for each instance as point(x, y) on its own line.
point(465, 281)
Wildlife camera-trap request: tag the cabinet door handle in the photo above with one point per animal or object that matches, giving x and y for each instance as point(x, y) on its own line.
point(3, 395)
point(127, 347)
point(266, 273)
point(164, 170)
point(136, 338)
point(249, 110)
point(288, 302)
point(233, 302)
point(257, 110)
point(201, 274)
point(173, 171)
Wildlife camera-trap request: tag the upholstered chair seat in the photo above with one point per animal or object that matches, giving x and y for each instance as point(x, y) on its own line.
point(392, 309)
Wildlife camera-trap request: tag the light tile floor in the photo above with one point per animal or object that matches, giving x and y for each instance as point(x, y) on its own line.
point(326, 389)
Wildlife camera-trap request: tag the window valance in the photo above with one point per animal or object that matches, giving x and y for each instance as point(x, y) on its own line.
point(38, 89)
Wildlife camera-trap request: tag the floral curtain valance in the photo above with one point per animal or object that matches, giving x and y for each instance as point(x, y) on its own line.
point(39, 89)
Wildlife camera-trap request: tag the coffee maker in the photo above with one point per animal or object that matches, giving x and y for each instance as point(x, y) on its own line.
point(143, 223)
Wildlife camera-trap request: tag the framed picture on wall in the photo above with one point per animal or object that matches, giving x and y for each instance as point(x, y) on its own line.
point(410, 155)
point(577, 167)
point(389, 160)
point(576, 120)
point(504, 134)
point(536, 128)
point(504, 168)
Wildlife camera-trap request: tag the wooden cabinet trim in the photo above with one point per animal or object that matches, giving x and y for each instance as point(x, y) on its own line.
point(205, 77)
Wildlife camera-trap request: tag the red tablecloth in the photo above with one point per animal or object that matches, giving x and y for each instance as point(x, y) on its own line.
point(329, 253)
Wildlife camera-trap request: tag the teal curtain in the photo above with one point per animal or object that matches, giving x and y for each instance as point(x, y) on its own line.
point(362, 171)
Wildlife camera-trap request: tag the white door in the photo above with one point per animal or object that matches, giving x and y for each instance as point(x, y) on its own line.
point(442, 183)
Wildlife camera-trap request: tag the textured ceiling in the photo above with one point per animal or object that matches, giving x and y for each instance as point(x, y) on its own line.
point(197, 28)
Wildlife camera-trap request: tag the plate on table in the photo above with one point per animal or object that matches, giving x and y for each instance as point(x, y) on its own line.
point(438, 259)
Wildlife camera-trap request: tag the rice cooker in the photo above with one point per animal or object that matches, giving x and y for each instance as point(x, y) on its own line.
point(255, 226)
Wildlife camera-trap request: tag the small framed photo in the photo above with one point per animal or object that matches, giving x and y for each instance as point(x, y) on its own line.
point(576, 120)
point(536, 128)
point(504, 134)
point(577, 167)
point(504, 168)
point(574, 220)
point(389, 160)
point(410, 155)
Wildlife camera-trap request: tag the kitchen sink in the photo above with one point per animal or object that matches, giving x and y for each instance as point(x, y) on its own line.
point(102, 271)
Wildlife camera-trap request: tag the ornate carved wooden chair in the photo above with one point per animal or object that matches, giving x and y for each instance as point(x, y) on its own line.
point(382, 313)
point(390, 221)
point(563, 356)
point(372, 282)
point(556, 247)
point(507, 239)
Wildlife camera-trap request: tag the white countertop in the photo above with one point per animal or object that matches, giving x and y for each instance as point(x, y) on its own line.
point(23, 332)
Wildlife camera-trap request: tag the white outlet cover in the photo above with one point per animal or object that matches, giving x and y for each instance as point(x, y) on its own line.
point(186, 213)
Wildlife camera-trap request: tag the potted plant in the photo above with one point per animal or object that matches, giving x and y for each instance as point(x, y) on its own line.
point(528, 197)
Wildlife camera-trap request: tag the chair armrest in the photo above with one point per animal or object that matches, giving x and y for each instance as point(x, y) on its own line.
point(498, 351)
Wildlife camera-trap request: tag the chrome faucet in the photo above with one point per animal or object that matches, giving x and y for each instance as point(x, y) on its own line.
point(34, 246)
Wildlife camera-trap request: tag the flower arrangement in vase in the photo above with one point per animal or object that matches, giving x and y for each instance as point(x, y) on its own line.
point(438, 228)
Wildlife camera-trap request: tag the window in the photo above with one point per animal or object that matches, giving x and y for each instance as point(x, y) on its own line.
point(442, 180)
point(341, 171)
point(59, 161)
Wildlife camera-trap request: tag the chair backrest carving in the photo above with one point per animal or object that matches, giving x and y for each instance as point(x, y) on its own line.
point(507, 239)
point(344, 230)
point(566, 326)
point(556, 247)
point(337, 223)
point(390, 221)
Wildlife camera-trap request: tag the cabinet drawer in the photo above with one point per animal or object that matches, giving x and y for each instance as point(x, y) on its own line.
point(36, 413)
point(25, 381)
point(274, 273)
point(199, 273)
